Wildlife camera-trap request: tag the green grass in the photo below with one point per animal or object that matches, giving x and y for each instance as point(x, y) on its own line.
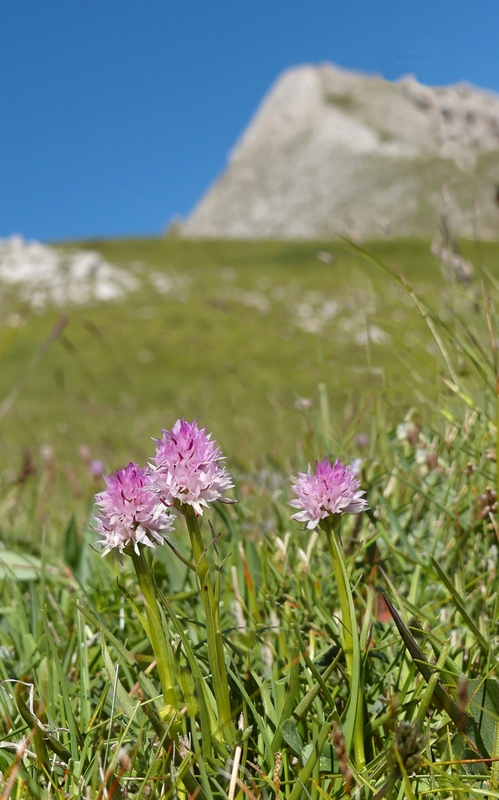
point(80, 705)
point(118, 372)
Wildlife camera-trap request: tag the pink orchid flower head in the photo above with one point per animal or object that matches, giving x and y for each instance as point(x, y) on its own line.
point(186, 469)
point(129, 513)
point(330, 489)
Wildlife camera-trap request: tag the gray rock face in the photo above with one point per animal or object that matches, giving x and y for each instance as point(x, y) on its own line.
point(332, 152)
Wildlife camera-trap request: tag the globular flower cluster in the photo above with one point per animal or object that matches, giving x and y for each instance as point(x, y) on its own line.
point(129, 511)
point(186, 468)
point(330, 489)
point(136, 506)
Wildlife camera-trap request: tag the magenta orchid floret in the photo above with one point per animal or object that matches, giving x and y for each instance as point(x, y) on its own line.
point(129, 513)
point(331, 489)
point(187, 467)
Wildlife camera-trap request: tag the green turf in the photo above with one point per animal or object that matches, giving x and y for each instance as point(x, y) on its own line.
point(81, 684)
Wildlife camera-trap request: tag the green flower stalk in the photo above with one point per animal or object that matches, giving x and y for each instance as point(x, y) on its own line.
point(349, 637)
point(322, 498)
point(209, 598)
point(155, 630)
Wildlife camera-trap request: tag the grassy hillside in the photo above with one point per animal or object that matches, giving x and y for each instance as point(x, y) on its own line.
point(232, 333)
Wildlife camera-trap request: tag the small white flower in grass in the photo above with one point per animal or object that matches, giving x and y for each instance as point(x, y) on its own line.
point(186, 469)
point(356, 466)
point(129, 513)
point(331, 489)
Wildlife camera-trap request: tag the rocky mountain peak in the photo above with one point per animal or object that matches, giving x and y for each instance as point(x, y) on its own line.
point(332, 152)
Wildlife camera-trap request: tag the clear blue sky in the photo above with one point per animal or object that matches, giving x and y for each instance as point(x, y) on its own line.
point(117, 114)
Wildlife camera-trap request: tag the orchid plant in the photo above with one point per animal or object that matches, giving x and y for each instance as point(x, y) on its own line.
point(138, 510)
point(323, 496)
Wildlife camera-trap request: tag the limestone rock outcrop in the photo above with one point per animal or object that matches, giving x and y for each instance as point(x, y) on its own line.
point(333, 152)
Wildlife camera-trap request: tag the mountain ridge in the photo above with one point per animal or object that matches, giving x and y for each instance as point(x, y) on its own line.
point(333, 152)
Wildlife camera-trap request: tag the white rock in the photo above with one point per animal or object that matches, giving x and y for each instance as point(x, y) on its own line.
point(45, 276)
point(334, 152)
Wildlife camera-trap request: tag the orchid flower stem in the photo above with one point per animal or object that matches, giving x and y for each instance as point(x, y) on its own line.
point(161, 645)
point(349, 637)
point(213, 630)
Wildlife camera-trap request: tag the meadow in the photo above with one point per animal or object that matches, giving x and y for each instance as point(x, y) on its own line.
point(399, 373)
point(227, 332)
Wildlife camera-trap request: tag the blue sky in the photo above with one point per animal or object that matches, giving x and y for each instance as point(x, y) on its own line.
point(118, 114)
